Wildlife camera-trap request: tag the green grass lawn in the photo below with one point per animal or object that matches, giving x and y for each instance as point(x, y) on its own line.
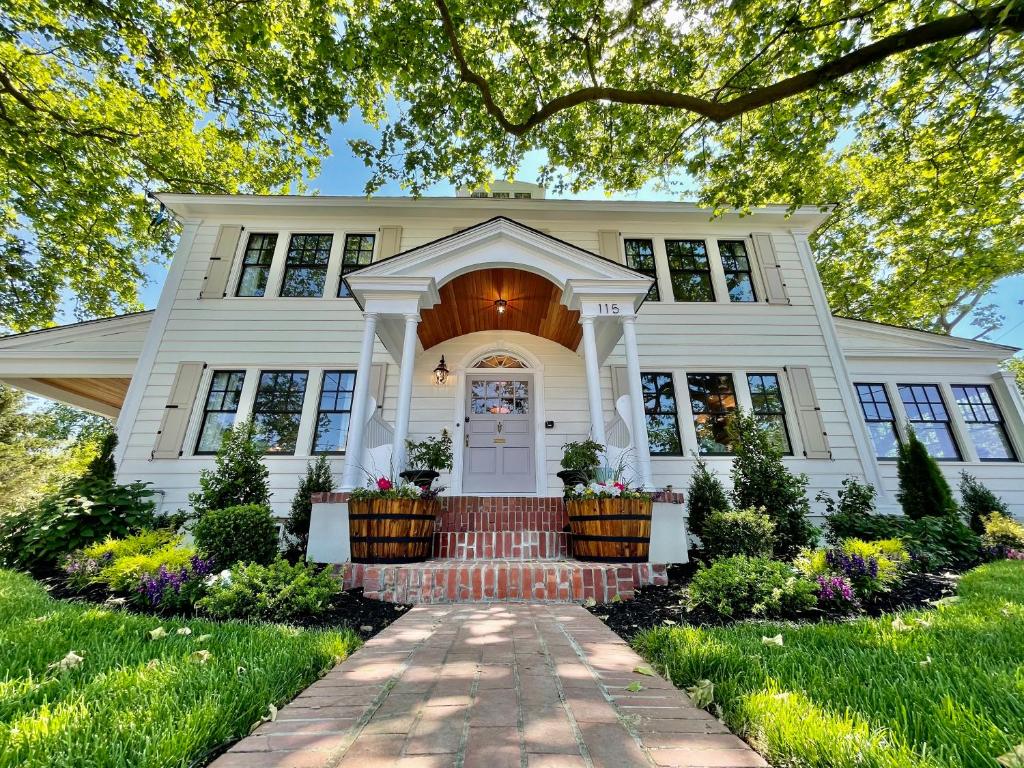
point(135, 701)
point(938, 688)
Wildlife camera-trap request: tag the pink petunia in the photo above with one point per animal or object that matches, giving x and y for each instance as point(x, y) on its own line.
point(384, 484)
point(620, 486)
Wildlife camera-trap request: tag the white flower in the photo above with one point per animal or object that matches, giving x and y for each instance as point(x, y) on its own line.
point(611, 490)
point(596, 487)
point(223, 578)
point(579, 488)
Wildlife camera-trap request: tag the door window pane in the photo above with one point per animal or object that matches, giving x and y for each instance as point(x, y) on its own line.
point(874, 404)
point(736, 264)
point(305, 270)
point(333, 411)
point(220, 409)
point(499, 397)
point(259, 253)
point(930, 420)
point(358, 253)
point(640, 256)
point(769, 408)
point(984, 422)
point(278, 408)
point(712, 401)
point(689, 270)
point(662, 414)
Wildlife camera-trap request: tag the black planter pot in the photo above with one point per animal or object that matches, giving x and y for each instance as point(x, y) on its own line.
point(571, 477)
point(420, 477)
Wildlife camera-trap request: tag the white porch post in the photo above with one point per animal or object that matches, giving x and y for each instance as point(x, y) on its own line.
point(636, 397)
point(405, 392)
point(359, 416)
point(593, 374)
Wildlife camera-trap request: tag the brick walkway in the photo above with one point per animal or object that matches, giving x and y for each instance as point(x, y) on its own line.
point(491, 686)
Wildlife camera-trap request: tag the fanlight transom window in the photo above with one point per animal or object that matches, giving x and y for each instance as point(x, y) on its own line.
point(500, 360)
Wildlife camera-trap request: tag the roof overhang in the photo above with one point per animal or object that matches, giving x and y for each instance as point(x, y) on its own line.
point(863, 339)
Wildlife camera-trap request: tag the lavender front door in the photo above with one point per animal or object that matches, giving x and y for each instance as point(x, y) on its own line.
point(498, 456)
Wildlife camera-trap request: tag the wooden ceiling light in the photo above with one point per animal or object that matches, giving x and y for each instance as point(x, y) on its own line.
point(471, 302)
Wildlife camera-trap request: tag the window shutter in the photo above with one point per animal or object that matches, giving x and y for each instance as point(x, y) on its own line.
point(390, 242)
point(177, 411)
point(768, 266)
point(620, 382)
point(378, 378)
point(808, 412)
point(608, 245)
point(215, 283)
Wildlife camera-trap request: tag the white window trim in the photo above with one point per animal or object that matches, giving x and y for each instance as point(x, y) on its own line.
point(339, 244)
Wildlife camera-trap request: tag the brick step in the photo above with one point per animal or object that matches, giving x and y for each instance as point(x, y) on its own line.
point(460, 581)
point(501, 545)
point(502, 513)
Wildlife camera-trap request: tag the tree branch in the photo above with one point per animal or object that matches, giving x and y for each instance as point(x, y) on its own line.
point(1008, 15)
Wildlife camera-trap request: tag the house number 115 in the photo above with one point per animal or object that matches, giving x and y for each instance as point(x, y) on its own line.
point(607, 309)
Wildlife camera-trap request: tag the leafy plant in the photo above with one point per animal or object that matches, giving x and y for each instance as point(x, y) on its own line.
point(761, 480)
point(851, 515)
point(977, 502)
point(239, 476)
point(1003, 532)
point(318, 479)
point(275, 592)
point(704, 496)
point(738, 532)
point(175, 588)
point(433, 453)
point(939, 542)
point(751, 586)
point(583, 457)
point(869, 566)
point(923, 491)
point(244, 533)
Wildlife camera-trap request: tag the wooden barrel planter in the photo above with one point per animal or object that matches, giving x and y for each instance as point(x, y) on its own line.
point(610, 530)
point(391, 530)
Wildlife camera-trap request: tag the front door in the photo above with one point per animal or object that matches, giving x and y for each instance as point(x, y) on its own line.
point(498, 456)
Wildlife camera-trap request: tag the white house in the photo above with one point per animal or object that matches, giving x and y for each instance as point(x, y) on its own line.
point(309, 314)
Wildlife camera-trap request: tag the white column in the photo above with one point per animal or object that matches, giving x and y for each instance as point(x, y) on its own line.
point(352, 475)
point(593, 374)
point(636, 397)
point(398, 455)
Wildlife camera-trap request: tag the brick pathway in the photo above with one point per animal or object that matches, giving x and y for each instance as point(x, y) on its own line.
point(491, 686)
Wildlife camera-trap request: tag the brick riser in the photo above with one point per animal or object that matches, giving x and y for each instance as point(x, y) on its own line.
point(452, 581)
point(498, 545)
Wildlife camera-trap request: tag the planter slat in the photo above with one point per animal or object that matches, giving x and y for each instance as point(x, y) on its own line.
point(391, 530)
point(610, 530)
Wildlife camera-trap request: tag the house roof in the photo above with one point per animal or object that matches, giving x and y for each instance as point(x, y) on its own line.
point(865, 338)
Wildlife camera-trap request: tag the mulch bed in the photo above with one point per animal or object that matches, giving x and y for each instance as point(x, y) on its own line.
point(666, 606)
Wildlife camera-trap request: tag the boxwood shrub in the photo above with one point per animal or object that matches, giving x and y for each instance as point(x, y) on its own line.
point(241, 534)
point(738, 532)
point(741, 586)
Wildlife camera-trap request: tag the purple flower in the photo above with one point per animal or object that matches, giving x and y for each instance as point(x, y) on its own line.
point(854, 566)
point(834, 589)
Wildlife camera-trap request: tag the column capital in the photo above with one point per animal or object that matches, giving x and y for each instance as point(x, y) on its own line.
point(413, 317)
point(586, 320)
point(627, 319)
point(371, 315)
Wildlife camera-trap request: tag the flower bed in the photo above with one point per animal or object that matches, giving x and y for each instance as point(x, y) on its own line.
point(610, 522)
point(392, 522)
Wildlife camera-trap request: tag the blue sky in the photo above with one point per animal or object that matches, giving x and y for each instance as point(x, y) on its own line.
point(343, 174)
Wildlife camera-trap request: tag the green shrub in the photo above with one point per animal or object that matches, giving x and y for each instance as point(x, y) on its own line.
point(941, 542)
point(870, 566)
point(704, 496)
point(140, 543)
point(977, 502)
point(1003, 532)
point(923, 491)
point(744, 586)
point(242, 534)
point(317, 479)
point(275, 592)
point(239, 475)
point(851, 515)
point(761, 480)
point(738, 532)
point(84, 510)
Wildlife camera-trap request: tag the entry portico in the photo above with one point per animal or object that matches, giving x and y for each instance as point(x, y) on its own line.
point(496, 276)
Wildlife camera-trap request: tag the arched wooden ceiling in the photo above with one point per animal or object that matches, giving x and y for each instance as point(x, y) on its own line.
point(467, 305)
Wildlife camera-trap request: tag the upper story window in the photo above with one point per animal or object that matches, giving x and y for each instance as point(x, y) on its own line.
point(220, 409)
point(984, 422)
point(712, 401)
point(662, 414)
point(478, 194)
point(305, 268)
point(277, 410)
point(523, 195)
point(501, 195)
point(334, 411)
point(878, 415)
point(736, 264)
point(689, 270)
point(358, 252)
point(930, 420)
point(259, 253)
point(640, 256)
point(769, 408)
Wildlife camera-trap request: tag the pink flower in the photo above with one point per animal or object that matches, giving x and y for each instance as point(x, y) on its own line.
point(620, 486)
point(383, 484)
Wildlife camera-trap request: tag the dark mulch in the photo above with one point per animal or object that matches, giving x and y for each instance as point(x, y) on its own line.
point(666, 606)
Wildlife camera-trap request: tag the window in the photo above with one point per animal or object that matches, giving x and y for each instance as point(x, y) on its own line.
point(662, 414)
point(523, 195)
point(768, 407)
point(278, 408)
point(500, 196)
point(334, 411)
point(305, 269)
point(358, 253)
point(712, 401)
point(640, 256)
point(927, 414)
point(220, 409)
point(259, 252)
point(736, 264)
point(478, 194)
point(689, 270)
point(877, 410)
point(984, 422)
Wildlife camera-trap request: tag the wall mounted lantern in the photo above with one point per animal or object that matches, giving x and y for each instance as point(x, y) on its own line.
point(441, 372)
